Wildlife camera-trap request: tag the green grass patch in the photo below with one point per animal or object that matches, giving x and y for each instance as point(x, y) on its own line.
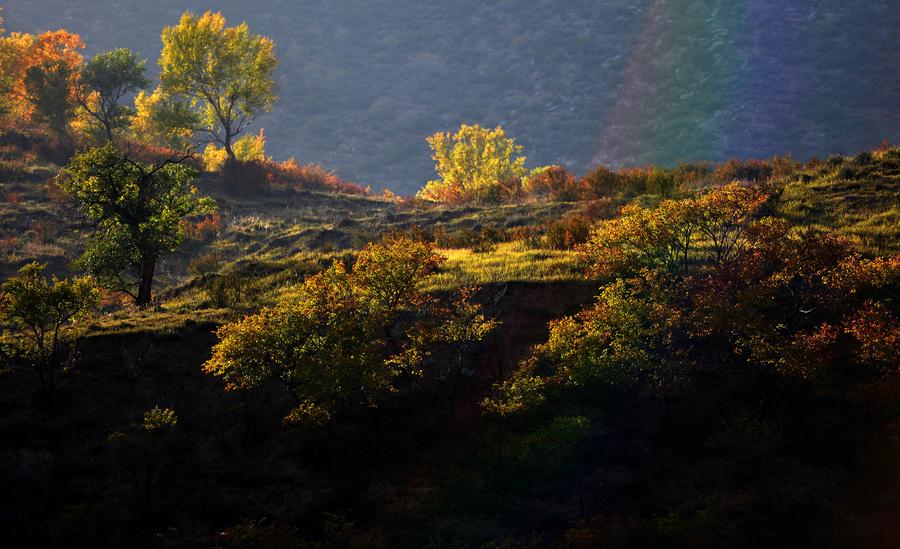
point(506, 263)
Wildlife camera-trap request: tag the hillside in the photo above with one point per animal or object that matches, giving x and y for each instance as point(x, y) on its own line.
point(427, 466)
point(362, 83)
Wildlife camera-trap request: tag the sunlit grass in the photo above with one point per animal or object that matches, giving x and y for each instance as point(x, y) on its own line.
point(508, 262)
point(866, 212)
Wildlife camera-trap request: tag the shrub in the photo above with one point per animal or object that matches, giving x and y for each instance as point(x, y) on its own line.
point(567, 233)
point(311, 177)
point(204, 229)
point(555, 182)
point(240, 177)
point(205, 264)
point(601, 182)
point(40, 315)
point(227, 290)
point(661, 182)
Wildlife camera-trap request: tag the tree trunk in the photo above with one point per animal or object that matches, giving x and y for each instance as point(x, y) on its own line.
point(228, 149)
point(148, 265)
point(107, 126)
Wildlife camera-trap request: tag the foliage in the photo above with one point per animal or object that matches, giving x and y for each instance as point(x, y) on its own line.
point(162, 119)
point(340, 342)
point(43, 316)
point(664, 238)
point(213, 158)
point(249, 148)
point(472, 164)
point(143, 451)
point(48, 87)
point(567, 233)
point(789, 301)
point(138, 210)
point(522, 392)
point(725, 214)
point(555, 182)
point(612, 341)
point(225, 73)
point(659, 238)
point(105, 80)
point(38, 75)
point(795, 304)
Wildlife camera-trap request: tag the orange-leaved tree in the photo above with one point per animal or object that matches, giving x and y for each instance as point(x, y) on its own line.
point(39, 75)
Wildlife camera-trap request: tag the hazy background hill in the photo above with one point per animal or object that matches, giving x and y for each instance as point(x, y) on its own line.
point(362, 82)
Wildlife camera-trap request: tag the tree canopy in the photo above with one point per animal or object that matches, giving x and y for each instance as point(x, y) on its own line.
point(226, 73)
point(39, 75)
point(472, 163)
point(339, 341)
point(40, 315)
point(105, 80)
point(137, 210)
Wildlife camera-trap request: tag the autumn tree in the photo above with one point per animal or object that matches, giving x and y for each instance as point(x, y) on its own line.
point(344, 339)
point(668, 237)
point(42, 316)
point(39, 75)
point(137, 210)
point(792, 301)
point(787, 302)
point(105, 80)
point(725, 214)
point(160, 119)
point(226, 73)
point(658, 238)
point(472, 164)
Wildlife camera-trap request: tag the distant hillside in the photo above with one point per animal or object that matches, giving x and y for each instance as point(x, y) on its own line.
point(362, 82)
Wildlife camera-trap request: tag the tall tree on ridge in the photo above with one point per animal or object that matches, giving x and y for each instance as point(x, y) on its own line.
point(226, 73)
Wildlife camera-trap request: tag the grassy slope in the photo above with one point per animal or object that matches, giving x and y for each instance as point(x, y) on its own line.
point(271, 240)
point(859, 197)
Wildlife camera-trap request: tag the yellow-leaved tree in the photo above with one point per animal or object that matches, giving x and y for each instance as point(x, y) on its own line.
point(226, 74)
point(162, 120)
point(473, 164)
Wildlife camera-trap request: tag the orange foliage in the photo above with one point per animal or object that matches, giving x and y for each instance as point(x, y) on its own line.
point(877, 332)
point(204, 229)
point(555, 182)
point(20, 52)
point(312, 177)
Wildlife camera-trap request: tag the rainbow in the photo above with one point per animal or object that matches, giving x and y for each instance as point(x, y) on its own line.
point(715, 79)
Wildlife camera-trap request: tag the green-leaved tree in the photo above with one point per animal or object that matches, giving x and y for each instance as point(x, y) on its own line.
point(137, 210)
point(345, 336)
point(107, 78)
point(48, 88)
point(41, 317)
